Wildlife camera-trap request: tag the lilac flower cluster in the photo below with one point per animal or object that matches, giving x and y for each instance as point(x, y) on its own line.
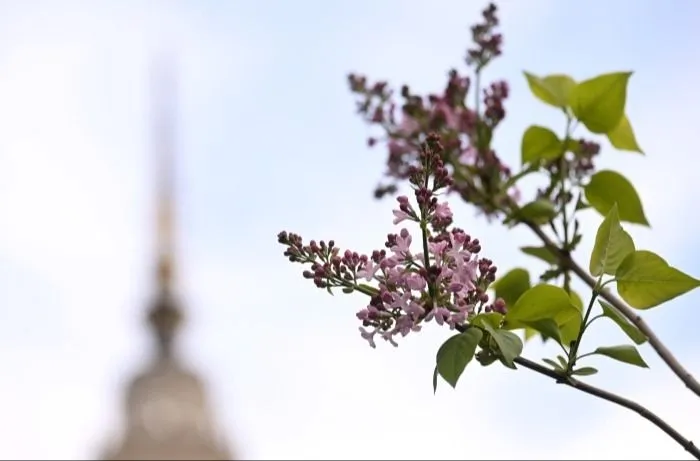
point(445, 281)
point(576, 165)
point(488, 42)
point(464, 131)
point(582, 162)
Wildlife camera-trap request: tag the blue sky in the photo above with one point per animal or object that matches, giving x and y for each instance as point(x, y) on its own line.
point(268, 141)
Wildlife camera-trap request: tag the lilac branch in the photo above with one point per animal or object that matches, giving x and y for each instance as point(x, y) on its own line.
point(446, 284)
point(482, 180)
point(642, 411)
point(659, 347)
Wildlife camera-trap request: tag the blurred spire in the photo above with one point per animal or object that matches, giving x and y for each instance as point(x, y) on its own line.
point(165, 315)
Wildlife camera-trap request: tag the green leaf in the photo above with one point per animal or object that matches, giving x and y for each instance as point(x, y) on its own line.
point(563, 361)
point(512, 285)
point(369, 288)
point(508, 343)
point(542, 253)
point(552, 89)
point(569, 325)
point(486, 357)
point(539, 302)
point(576, 300)
point(570, 322)
point(645, 280)
point(599, 103)
point(574, 241)
point(612, 245)
point(622, 136)
point(548, 328)
point(606, 188)
point(455, 354)
point(435, 377)
point(551, 274)
point(630, 330)
point(585, 371)
point(581, 205)
point(553, 364)
point(540, 143)
point(539, 212)
point(626, 354)
point(530, 333)
point(492, 319)
point(573, 146)
point(546, 302)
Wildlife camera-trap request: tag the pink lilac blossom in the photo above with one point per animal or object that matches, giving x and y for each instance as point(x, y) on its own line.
point(467, 131)
point(454, 262)
point(446, 284)
point(408, 126)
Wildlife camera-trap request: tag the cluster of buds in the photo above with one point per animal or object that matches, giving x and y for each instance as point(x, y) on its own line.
point(576, 165)
point(578, 162)
point(581, 164)
point(465, 133)
point(444, 282)
point(488, 42)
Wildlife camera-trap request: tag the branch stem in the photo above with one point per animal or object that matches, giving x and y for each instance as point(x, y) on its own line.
point(642, 411)
point(659, 347)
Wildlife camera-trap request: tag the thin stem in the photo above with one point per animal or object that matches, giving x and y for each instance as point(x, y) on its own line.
point(563, 196)
point(596, 317)
point(516, 177)
point(477, 101)
point(642, 411)
point(365, 290)
point(582, 330)
point(659, 347)
point(587, 354)
point(424, 232)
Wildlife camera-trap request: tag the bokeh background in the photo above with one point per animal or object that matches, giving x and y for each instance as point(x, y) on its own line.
point(268, 140)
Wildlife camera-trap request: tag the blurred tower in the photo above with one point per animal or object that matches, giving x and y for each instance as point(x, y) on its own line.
point(166, 408)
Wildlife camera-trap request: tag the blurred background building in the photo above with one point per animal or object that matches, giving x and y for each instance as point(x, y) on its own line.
point(167, 412)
